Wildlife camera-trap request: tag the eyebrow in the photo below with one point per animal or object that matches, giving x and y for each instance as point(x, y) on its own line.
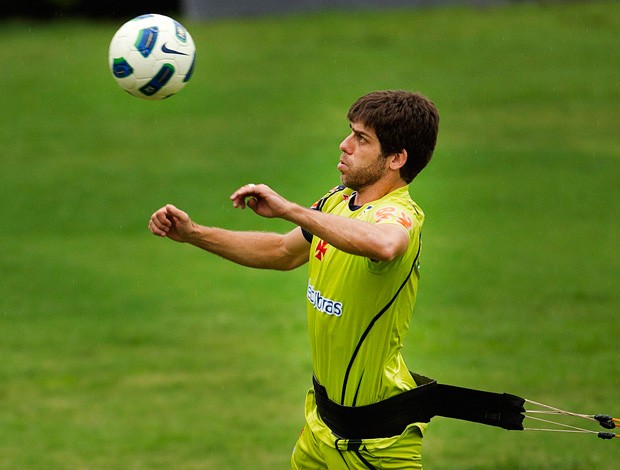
point(359, 132)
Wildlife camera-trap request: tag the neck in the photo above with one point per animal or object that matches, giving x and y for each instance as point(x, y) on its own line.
point(377, 191)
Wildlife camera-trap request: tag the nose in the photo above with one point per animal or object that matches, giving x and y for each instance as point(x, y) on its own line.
point(345, 145)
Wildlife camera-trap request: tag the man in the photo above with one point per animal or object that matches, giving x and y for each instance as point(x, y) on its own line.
point(362, 243)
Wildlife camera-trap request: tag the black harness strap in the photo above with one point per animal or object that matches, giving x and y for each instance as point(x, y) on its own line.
point(390, 417)
point(502, 410)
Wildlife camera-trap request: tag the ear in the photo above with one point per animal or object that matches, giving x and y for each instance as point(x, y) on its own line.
point(398, 160)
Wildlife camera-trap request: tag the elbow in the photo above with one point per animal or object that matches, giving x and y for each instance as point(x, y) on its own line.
point(389, 246)
point(387, 253)
point(288, 266)
point(291, 262)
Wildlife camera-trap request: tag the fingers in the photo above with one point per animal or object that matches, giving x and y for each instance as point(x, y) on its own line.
point(160, 222)
point(238, 198)
point(173, 213)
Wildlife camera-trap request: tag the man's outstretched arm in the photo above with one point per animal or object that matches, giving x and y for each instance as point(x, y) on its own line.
point(377, 242)
point(254, 249)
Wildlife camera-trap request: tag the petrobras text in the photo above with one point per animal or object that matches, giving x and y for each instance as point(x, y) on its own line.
point(323, 304)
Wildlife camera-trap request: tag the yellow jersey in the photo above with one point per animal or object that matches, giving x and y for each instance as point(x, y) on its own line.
point(359, 309)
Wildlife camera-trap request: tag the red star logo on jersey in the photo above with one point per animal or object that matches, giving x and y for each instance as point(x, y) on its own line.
point(321, 248)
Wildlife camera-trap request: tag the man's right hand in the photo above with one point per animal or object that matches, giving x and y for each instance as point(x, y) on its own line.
point(172, 223)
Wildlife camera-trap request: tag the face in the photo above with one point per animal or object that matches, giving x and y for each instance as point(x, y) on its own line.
point(361, 162)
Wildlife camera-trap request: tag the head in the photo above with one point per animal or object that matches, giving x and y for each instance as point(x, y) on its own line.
point(402, 121)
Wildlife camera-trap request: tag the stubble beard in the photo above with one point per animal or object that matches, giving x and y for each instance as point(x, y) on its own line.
point(364, 177)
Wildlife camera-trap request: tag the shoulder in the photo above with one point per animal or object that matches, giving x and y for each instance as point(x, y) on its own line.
point(398, 208)
point(328, 202)
point(333, 197)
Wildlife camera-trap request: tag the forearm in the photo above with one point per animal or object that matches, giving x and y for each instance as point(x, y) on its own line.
point(382, 243)
point(350, 235)
point(253, 249)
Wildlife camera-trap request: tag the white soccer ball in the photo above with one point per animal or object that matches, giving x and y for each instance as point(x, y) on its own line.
point(152, 56)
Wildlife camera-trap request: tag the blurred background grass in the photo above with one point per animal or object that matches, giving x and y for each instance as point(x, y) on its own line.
point(120, 350)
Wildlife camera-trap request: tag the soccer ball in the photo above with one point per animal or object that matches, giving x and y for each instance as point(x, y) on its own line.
point(152, 57)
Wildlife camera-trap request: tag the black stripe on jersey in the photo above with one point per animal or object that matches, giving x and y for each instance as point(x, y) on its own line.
point(323, 200)
point(371, 324)
point(307, 235)
point(319, 207)
point(357, 391)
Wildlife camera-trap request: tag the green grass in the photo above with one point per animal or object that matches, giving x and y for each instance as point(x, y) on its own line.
point(120, 350)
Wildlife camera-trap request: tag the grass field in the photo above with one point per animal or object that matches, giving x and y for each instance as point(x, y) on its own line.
point(119, 350)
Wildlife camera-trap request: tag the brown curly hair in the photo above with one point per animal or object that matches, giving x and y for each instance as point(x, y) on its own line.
point(401, 120)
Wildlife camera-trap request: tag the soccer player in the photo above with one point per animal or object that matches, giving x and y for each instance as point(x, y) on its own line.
point(362, 245)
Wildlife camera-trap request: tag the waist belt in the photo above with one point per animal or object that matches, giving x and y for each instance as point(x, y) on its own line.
point(390, 417)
